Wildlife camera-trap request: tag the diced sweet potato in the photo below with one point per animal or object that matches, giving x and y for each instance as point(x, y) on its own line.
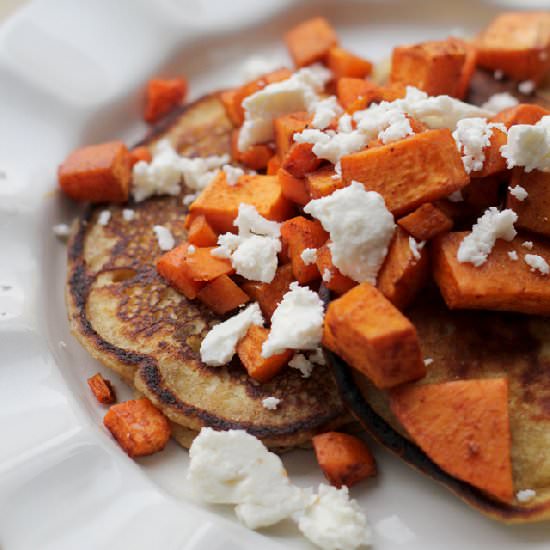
point(420, 168)
point(219, 202)
point(255, 157)
point(310, 41)
point(273, 165)
point(344, 458)
point(138, 426)
point(300, 159)
point(524, 113)
point(345, 64)
point(517, 43)
point(494, 162)
point(356, 93)
point(481, 193)
point(201, 265)
point(499, 284)
point(297, 234)
point(269, 295)
point(162, 95)
point(426, 222)
point(249, 351)
point(97, 173)
point(102, 389)
point(374, 337)
point(222, 295)
point(227, 98)
point(403, 275)
point(463, 426)
point(285, 127)
point(435, 67)
point(140, 153)
point(533, 212)
point(322, 183)
point(201, 234)
point(337, 282)
point(468, 71)
point(293, 188)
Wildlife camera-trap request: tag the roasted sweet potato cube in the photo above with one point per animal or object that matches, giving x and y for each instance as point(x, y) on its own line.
point(140, 153)
point(468, 70)
point(97, 173)
point(494, 162)
point(356, 93)
point(219, 202)
point(255, 157)
point(463, 426)
point(344, 458)
point(201, 265)
point(102, 389)
point(435, 67)
point(322, 182)
point(499, 284)
point(138, 426)
point(294, 189)
point(249, 351)
point(273, 165)
point(517, 43)
point(336, 281)
point(201, 234)
point(310, 41)
point(345, 64)
point(227, 98)
point(163, 95)
point(297, 234)
point(300, 160)
point(285, 127)
point(405, 270)
point(374, 337)
point(426, 222)
point(481, 193)
point(222, 295)
point(533, 212)
point(524, 113)
point(409, 172)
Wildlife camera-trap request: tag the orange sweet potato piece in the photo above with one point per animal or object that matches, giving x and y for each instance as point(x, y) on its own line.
point(374, 337)
point(344, 458)
point(140, 153)
point(138, 426)
point(97, 173)
point(468, 70)
point(297, 234)
point(285, 127)
point(102, 389)
point(403, 275)
point(463, 426)
point(494, 162)
point(222, 295)
point(524, 113)
point(162, 95)
point(310, 41)
point(426, 222)
point(499, 284)
point(322, 183)
point(481, 193)
point(345, 64)
point(249, 351)
point(293, 188)
point(227, 97)
point(273, 165)
point(201, 234)
point(355, 93)
point(300, 160)
point(268, 295)
point(517, 43)
point(255, 157)
point(219, 202)
point(420, 168)
point(338, 282)
point(202, 266)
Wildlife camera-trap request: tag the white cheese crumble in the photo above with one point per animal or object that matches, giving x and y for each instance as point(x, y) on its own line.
point(164, 236)
point(256, 66)
point(456, 196)
point(332, 147)
point(318, 357)
point(526, 87)
point(525, 495)
point(327, 275)
point(104, 217)
point(191, 249)
point(128, 214)
point(392, 528)
point(498, 74)
point(527, 244)
point(232, 173)
point(301, 363)
point(325, 111)
point(297, 323)
point(499, 102)
point(518, 192)
point(270, 403)
point(492, 225)
point(345, 124)
point(416, 247)
point(309, 256)
point(61, 231)
point(385, 121)
point(428, 361)
point(189, 199)
point(360, 227)
point(219, 345)
point(513, 255)
point(537, 263)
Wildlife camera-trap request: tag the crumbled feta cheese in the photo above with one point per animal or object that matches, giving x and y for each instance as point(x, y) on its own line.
point(456, 196)
point(519, 192)
point(345, 125)
point(334, 521)
point(190, 198)
point(61, 231)
point(128, 214)
point(513, 255)
point(325, 111)
point(297, 323)
point(256, 66)
point(326, 275)
point(492, 225)
point(297, 93)
point(318, 357)
point(270, 403)
point(498, 102)
point(309, 256)
point(104, 217)
point(428, 361)
point(360, 227)
point(385, 121)
point(498, 74)
point(537, 263)
point(526, 87)
point(232, 173)
point(164, 236)
point(302, 363)
point(416, 247)
point(525, 495)
point(191, 249)
point(527, 244)
point(332, 147)
point(393, 529)
point(218, 346)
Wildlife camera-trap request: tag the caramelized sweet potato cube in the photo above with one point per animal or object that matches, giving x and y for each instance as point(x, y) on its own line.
point(463, 426)
point(494, 162)
point(517, 43)
point(345, 64)
point(140, 153)
point(201, 265)
point(426, 222)
point(273, 165)
point(337, 282)
point(219, 202)
point(294, 189)
point(468, 70)
point(297, 234)
point(374, 337)
point(249, 350)
point(138, 426)
point(403, 273)
point(420, 168)
point(163, 95)
point(201, 234)
point(227, 97)
point(255, 157)
point(97, 173)
point(344, 458)
point(284, 128)
point(322, 182)
point(300, 160)
point(356, 93)
point(524, 113)
point(222, 295)
point(310, 41)
point(499, 284)
point(102, 389)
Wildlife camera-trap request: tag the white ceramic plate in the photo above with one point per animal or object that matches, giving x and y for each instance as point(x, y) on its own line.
point(70, 74)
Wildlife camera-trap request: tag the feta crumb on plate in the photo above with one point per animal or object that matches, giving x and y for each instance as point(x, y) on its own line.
point(309, 256)
point(498, 102)
point(302, 363)
point(392, 528)
point(270, 403)
point(525, 495)
point(165, 238)
point(190, 198)
point(191, 249)
point(327, 275)
point(498, 74)
point(61, 231)
point(527, 87)
point(456, 196)
point(518, 192)
point(232, 173)
point(513, 255)
point(537, 263)
point(128, 214)
point(428, 361)
point(416, 247)
point(104, 217)
point(527, 244)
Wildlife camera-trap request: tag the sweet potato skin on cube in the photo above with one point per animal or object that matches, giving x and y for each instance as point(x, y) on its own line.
point(524, 113)
point(463, 426)
point(102, 389)
point(255, 157)
point(356, 93)
point(310, 41)
point(420, 168)
point(322, 183)
point(345, 64)
point(138, 426)
point(499, 284)
point(97, 173)
point(426, 222)
point(201, 234)
point(374, 337)
point(343, 458)
point(293, 188)
point(163, 95)
point(300, 160)
point(284, 128)
point(338, 282)
point(222, 295)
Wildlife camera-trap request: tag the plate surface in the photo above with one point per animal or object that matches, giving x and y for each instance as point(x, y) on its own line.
point(70, 74)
